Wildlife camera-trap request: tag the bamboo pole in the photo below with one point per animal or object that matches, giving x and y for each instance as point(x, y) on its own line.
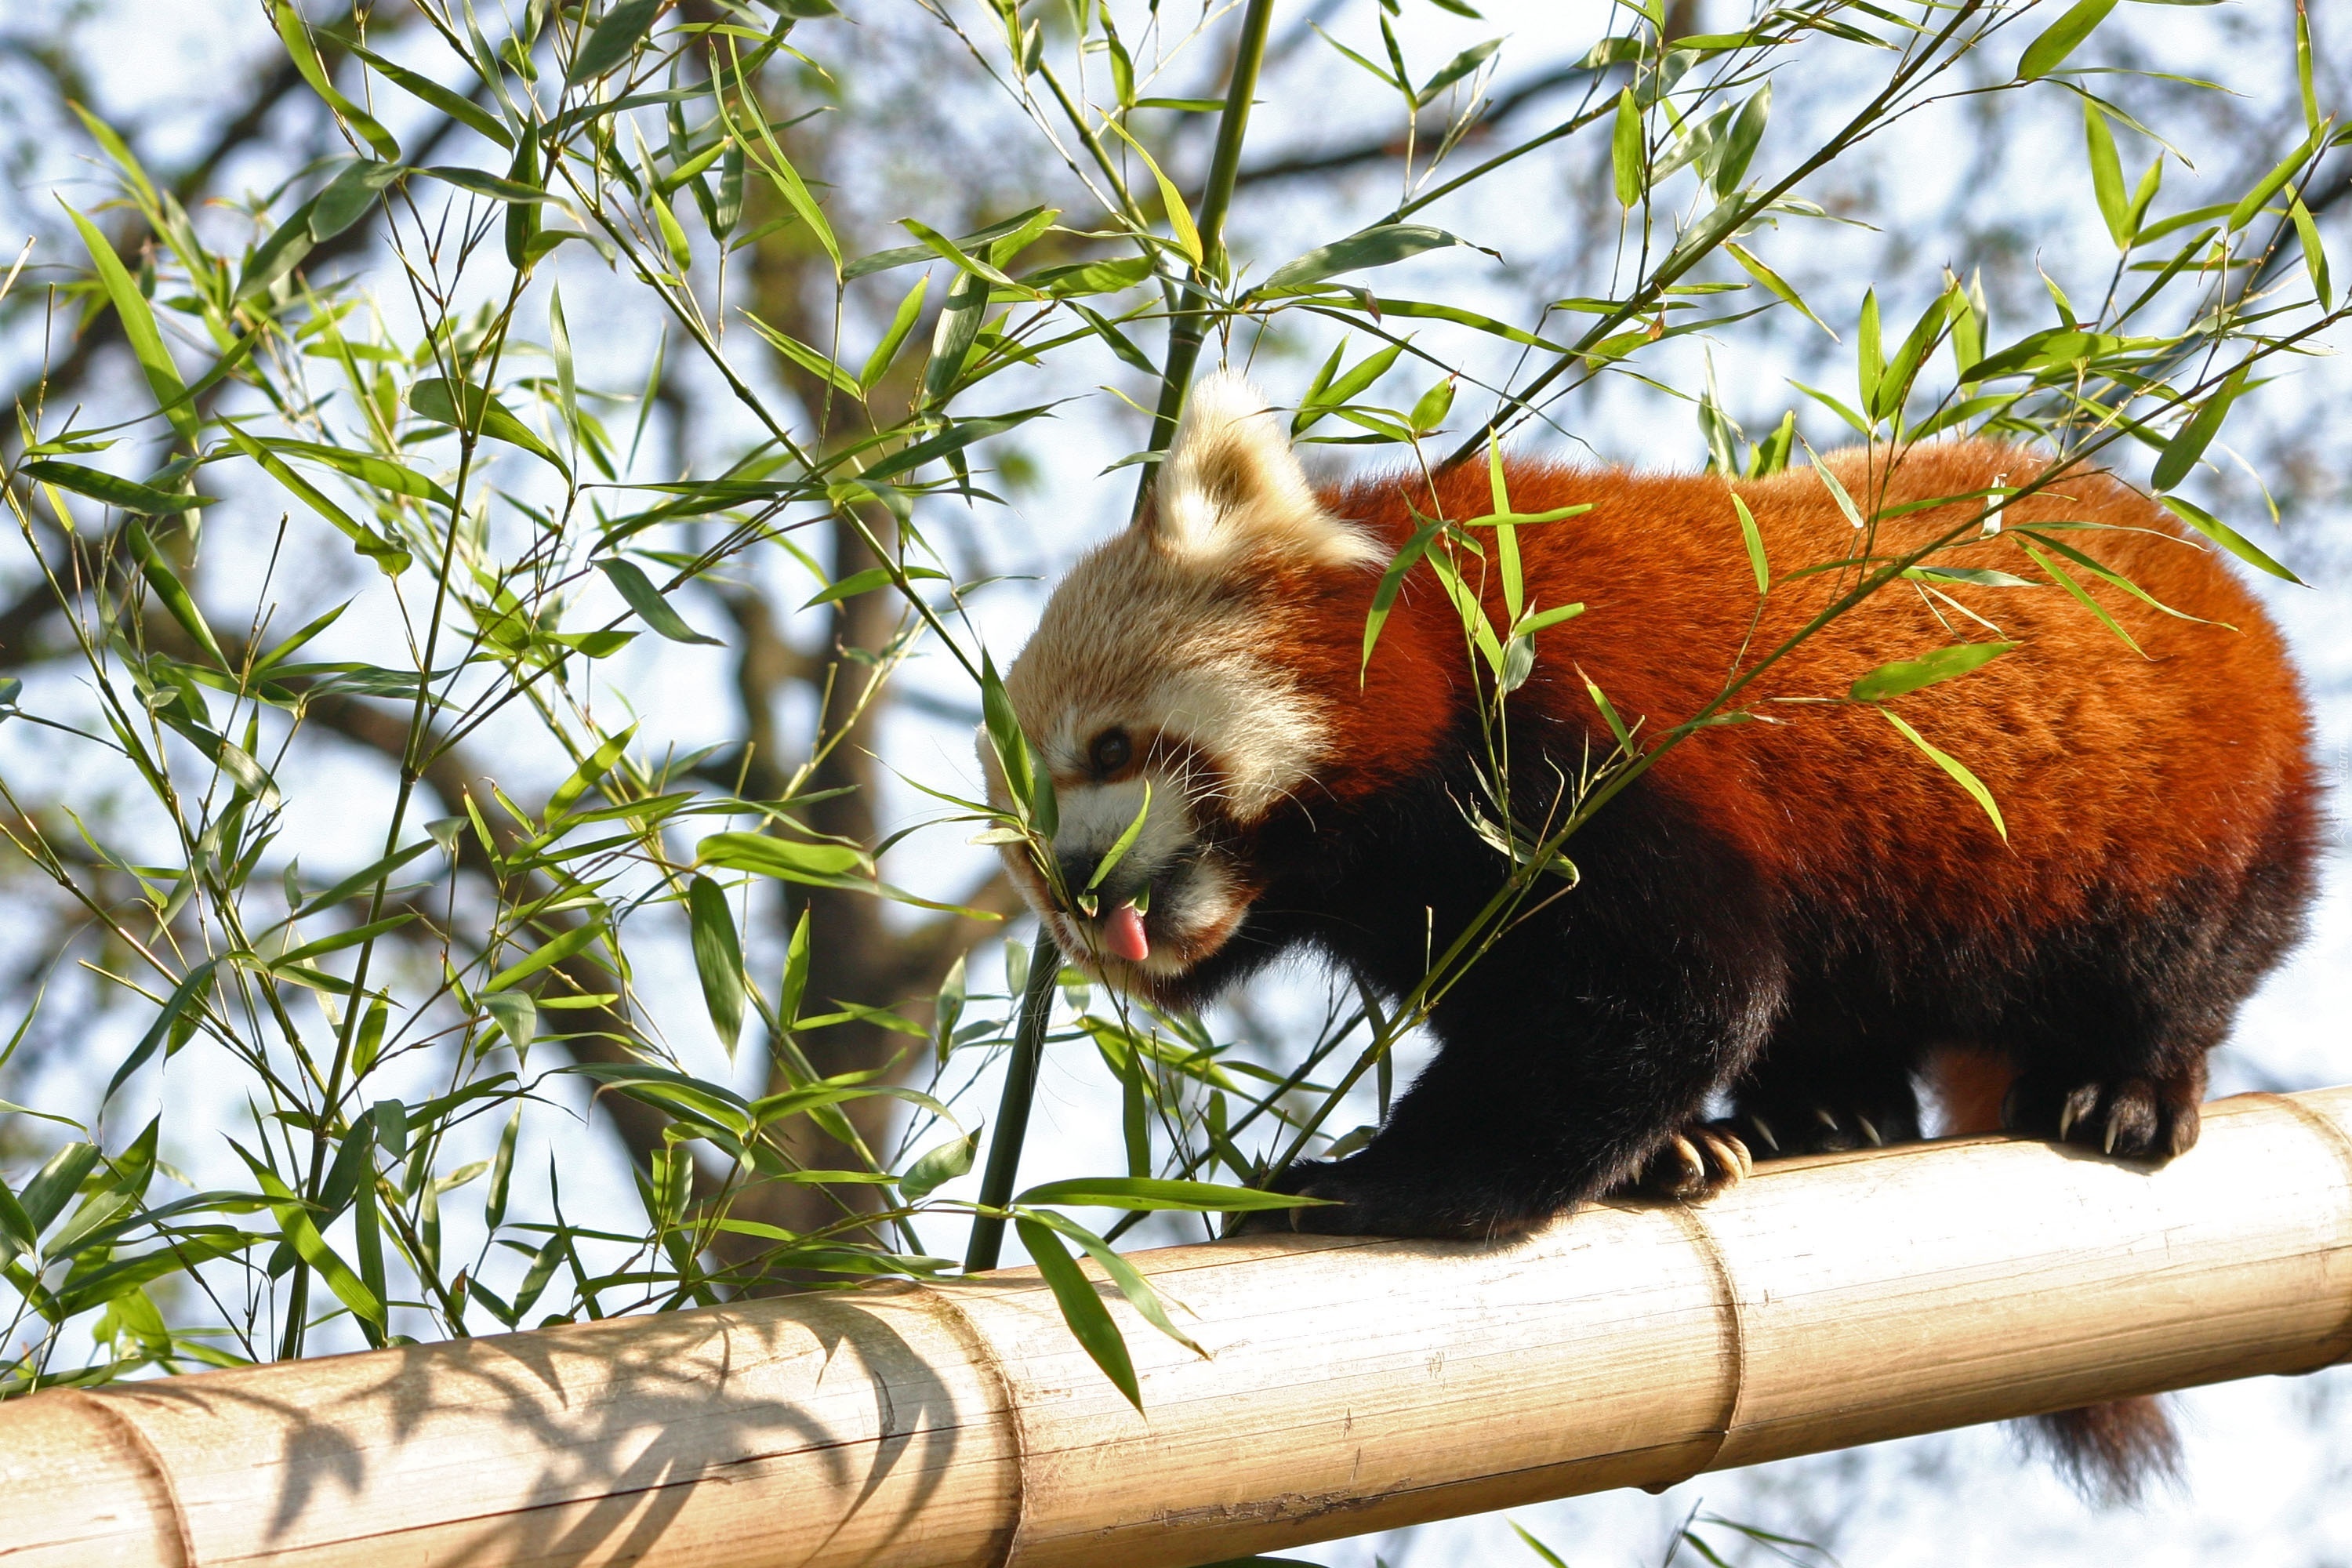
point(1354, 1385)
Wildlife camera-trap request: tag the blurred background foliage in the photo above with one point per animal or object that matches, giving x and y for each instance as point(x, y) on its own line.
point(511, 502)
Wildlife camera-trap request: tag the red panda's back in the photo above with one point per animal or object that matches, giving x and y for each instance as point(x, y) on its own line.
point(2118, 775)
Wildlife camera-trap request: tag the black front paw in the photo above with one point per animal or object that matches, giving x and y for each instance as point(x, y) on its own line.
point(1362, 1201)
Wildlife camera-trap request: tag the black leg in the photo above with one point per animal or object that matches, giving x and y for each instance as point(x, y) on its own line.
point(1827, 1081)
point(1575, 1053)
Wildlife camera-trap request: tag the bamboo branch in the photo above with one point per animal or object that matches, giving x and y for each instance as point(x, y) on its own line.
point(1353, 1384)
point(1190, 321)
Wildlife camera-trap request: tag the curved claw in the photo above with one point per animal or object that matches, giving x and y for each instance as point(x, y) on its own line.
point(1697, 1161)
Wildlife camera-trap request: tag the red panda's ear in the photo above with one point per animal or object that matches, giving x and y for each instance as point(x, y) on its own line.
point(1231, 485)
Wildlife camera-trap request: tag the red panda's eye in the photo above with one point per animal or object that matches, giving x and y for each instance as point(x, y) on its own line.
point(1111, 751)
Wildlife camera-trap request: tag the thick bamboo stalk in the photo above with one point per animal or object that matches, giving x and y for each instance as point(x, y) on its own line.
point(1353, 1384)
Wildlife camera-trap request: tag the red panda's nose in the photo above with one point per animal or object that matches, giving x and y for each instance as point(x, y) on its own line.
point(1078, 870)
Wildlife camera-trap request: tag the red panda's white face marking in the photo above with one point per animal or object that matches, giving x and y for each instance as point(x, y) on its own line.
point(1151, 664)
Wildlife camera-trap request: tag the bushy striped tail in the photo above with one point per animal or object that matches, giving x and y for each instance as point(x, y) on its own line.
point(2112, 1452)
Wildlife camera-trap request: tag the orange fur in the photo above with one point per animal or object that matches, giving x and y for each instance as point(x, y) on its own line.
point(2111, 770)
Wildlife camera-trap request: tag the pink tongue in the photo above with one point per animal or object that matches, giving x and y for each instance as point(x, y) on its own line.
point(1122, 931)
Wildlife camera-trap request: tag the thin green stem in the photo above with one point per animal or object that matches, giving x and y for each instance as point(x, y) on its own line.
point(1190, 324)
point(1012, 1107)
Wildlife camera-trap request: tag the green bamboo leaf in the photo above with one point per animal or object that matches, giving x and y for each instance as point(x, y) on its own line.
point(494, 1203)
point(947, 249)
point(516, 1016)
point(817, 364)
point(1740, 146)
point(2117, 579)
point(2060, 39)
point(952, 335)
point(1626, 150)
point(717, 958)
point(1975, 576)
point(1384, 596)
point(1956, 768)
point(783, 175)
point(2251, 205)
point(390, 557)
point(1830, 482)
point(588, 774)
point(171, 592)
point(1937, 665)
point(2179, 456)
point(2060, 576)
point(127, 494)
point(1472, 614)
point(2150, 183)
point(524, 242)
point(962, 433)
point(280, 253)
point(361, 881)
point(340, 202)
point(344, 939)
point(1529, 625)
point(1377, 247)
point(681, 254)
point(433, 397)
point(1454, 71)
point(483, 183)
point(17, 1236)
point(1775, 282)
point(1423, 309)
point(1156, 1192)
point(1325, 396)
point(1753, 538)
point(635, 586)
point(165, 1026)
point(2108, 175)
point(1118, 342)
point(455, 105)
point(567, 380)
point(138, 328)
point(849, 588)
point(119, 151)
point(2314, 253)
point(553, 951)
point(1127, 1277)
point(1083, 1310)
point(611, 39)
point(1552, 1559)
point(911, 310)
point(938, 1167)
point(1180, 216)
point(246, 773)
point(1123, 843)
point(1903, 371)
point(295, 34)
point(377, 473)
point(296, 1227)
point(355, 1160)
point(45, 1195)
point(2227, 538)
point(1014, 756)
point(1033, 219)
point(792, 860)
point(1084, 277)
point(1870, 364)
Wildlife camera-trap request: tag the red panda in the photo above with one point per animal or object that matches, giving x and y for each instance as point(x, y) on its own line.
point(1792, 914)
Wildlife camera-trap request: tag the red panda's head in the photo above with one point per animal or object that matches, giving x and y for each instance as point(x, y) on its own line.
point(1178, 656)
